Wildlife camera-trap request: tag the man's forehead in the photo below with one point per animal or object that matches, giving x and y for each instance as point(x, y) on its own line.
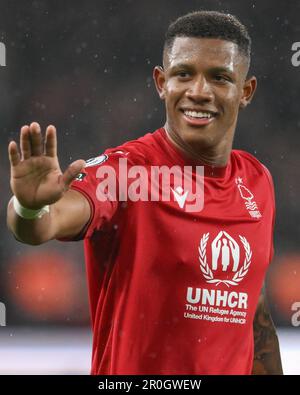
point(190, 49)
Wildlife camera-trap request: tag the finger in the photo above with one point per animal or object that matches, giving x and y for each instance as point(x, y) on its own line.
point(13, 153)
point(25, 142)
point(36, 139)
point(51, 141)
point(72, 171)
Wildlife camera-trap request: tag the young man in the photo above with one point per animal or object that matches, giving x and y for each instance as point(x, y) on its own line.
point(173, 288)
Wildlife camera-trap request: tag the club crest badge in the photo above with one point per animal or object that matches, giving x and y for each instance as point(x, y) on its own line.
point(248, 197)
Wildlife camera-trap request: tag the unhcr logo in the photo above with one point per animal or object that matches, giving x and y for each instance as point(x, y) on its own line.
point(2, 54)
point(2, 314)
point(225, 251)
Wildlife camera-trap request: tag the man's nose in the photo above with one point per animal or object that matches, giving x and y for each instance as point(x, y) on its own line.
point(200, 90)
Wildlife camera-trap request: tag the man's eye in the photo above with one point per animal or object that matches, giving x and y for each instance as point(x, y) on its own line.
point(222, 78)
point(183, 74)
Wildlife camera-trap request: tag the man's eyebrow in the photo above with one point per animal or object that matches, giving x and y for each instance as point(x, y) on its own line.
point(181, 66)
point(222, 69)
point(216, 69)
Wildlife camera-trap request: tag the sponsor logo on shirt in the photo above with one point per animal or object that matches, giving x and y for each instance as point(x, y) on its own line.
point(226, 267)
point(225, 252)
point(215, 305)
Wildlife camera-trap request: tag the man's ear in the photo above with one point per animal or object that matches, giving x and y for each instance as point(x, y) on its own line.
point(159, 80)
point(249, 89)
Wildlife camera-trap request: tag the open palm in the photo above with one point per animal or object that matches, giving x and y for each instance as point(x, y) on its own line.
point(36, 177)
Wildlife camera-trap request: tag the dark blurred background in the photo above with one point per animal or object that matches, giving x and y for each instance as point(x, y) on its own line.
point(86, 67)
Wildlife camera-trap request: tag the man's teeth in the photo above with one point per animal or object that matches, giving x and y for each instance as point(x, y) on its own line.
point(195, 114)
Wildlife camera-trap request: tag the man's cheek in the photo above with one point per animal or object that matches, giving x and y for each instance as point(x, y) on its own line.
point(173, 89)
point(232, 104)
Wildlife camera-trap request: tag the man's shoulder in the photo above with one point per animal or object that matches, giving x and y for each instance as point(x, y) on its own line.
point(250, 160)
point(138, 149)
point(253, 164)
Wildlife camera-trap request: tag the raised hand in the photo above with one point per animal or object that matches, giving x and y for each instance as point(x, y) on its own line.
point(36, 178)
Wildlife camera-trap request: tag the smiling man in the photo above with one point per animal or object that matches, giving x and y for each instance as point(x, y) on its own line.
point(172, 291)
point(204, 83)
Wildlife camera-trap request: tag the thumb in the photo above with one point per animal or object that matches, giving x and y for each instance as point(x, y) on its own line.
point(72, 171)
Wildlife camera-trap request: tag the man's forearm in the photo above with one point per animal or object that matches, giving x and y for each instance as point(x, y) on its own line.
point(267, 358)
point(66, 218)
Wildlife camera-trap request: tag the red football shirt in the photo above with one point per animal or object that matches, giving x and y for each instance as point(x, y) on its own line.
point(172, 291)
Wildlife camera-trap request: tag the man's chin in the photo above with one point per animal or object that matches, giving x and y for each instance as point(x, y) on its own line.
point(193, 136)
point(199, 137)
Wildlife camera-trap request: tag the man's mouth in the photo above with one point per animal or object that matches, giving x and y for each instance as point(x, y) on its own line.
point(198, 118)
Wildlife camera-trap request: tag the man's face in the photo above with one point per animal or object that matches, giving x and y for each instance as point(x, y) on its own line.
point(203, 85)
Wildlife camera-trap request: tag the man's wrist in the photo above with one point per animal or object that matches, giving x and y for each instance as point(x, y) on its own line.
point(27, 213)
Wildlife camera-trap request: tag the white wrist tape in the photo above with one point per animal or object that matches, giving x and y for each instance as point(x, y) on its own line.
point(28, 213)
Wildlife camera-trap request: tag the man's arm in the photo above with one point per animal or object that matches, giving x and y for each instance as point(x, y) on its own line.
point(66, 218)
point(267, 358)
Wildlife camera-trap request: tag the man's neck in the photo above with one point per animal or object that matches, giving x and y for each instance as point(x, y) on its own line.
point(213, 156)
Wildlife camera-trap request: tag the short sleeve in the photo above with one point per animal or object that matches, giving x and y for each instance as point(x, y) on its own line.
point(98, 182)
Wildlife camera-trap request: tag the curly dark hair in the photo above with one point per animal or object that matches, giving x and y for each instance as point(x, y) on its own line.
point(210, 24)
